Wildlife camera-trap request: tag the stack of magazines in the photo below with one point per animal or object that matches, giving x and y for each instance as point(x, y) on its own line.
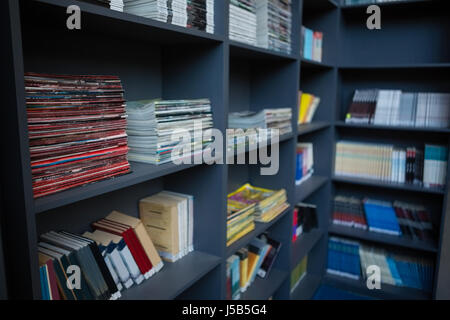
point(197, 14)
point(266, 119)
point(243, 21)
point(152, 123)
point(240, 220)
point(111, 4)
point(76, 127)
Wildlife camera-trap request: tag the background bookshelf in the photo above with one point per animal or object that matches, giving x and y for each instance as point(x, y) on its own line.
point(155, 59)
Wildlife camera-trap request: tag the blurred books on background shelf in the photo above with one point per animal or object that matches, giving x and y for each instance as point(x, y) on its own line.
point(356, 2)
point(299, 272)
point(305, 162)
point(255, 260)
point(308, 105)
point(151, 124)
point(304, 219)
point(387, 163)
point(311, 44)
point(76, 127)
point(397, 108)
point(350, 259)
point(116, 256)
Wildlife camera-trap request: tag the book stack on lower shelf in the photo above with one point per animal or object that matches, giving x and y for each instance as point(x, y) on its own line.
point(357, 261)
point(425, 167)
point(76, 128)
point(116, 256)
point(250, 263)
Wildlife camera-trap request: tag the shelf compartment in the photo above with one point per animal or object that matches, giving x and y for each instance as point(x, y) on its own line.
point(342, 124)
point(314, 126)
point(264, 288)
point(174, 278)
point(308, 187)
point(307, 287)
point(380, 184)
point(304, 244)
point(387, 291)
point(382, 238)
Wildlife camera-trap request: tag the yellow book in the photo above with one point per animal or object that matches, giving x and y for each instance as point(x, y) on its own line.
point(243, 268)
point(305, 103)
point(248, 229)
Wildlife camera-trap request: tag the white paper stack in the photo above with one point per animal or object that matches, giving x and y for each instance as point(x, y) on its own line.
point(243, 21)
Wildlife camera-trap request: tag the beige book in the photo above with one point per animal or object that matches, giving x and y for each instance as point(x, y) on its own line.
point(160, 217)
point(141, 234)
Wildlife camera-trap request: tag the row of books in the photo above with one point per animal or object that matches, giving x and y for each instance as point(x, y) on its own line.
point(308, 104)
point(298, 273)
point(256, 260)
point(304, 219)
point(396, 218)
point(76, 127)
point(152, 123)
point(387, 163)
point(249, 204)
point(263, 23)
point(356, 2)
point(117, 255)
point(397, 108)
point(197, 14)
point(305, 162)
point(311, 44)
point(351, 259)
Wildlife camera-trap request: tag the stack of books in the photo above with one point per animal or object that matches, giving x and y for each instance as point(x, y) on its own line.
point(116, 256)
point(76, 127)
point(279, 118)
point(311, 44)
point(397, 108)
point(299, 273)
point(243, 21)
point(255, 260)
point(197, 14)
point(240, 221)
point(381, 217)
point(307, 107)
point(268, 203)
point(274, 24)
point(151, 125)
point(304, 219)
point(111, 4)
point(349, 211)
point(415, 221)
point(388, 163)
point(168, 218)
point(305, 162)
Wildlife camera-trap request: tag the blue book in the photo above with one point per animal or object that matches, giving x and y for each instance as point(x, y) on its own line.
point(299, 169)
point(308, 45)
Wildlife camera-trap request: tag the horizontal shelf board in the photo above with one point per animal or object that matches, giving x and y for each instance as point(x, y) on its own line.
point(308, 187)
point(263, 289)
point(387, 291)
point(303, 245)
point(141, 172)
point(173, 278)
point(242, 50)
point(380, 184)
point(342, 124)
point(307, 287)
point(382, 238)
point(259, 228)
point(306, 128)
point(318, 5)
point(165, 32)
point(306, 63)
point(384, 4)
point(438, 65)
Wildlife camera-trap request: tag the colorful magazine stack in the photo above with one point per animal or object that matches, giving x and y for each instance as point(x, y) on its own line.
point(116, 256)
point(311, 44)
point(111, 4)
point(151, 125)
point(197, 14)
point(76, 127)
point(243, 21)
point(308, 105)
point(279, 118)
point(305, 162)
point(240, 221)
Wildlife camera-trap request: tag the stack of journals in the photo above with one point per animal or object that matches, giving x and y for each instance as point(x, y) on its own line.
point(197, 14)
point(255, 260)
point(151, 125)
point(308, 104)
point(299, 273)
point(381, 217)
point(268, 203)
point(392, 164)
point(312, 42)
point(279, 118)
point(76, 127)
point(397, 108)
point(117, 255)
point(305, 219)
point(348, 258)
point(305, 162)
point(243, 21)
point(111, 4)
point(274, 24)
point(169, 220)
point(349, 212)
point(240, 221)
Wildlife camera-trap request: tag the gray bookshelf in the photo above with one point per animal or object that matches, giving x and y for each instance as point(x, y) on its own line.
point(155, 59)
